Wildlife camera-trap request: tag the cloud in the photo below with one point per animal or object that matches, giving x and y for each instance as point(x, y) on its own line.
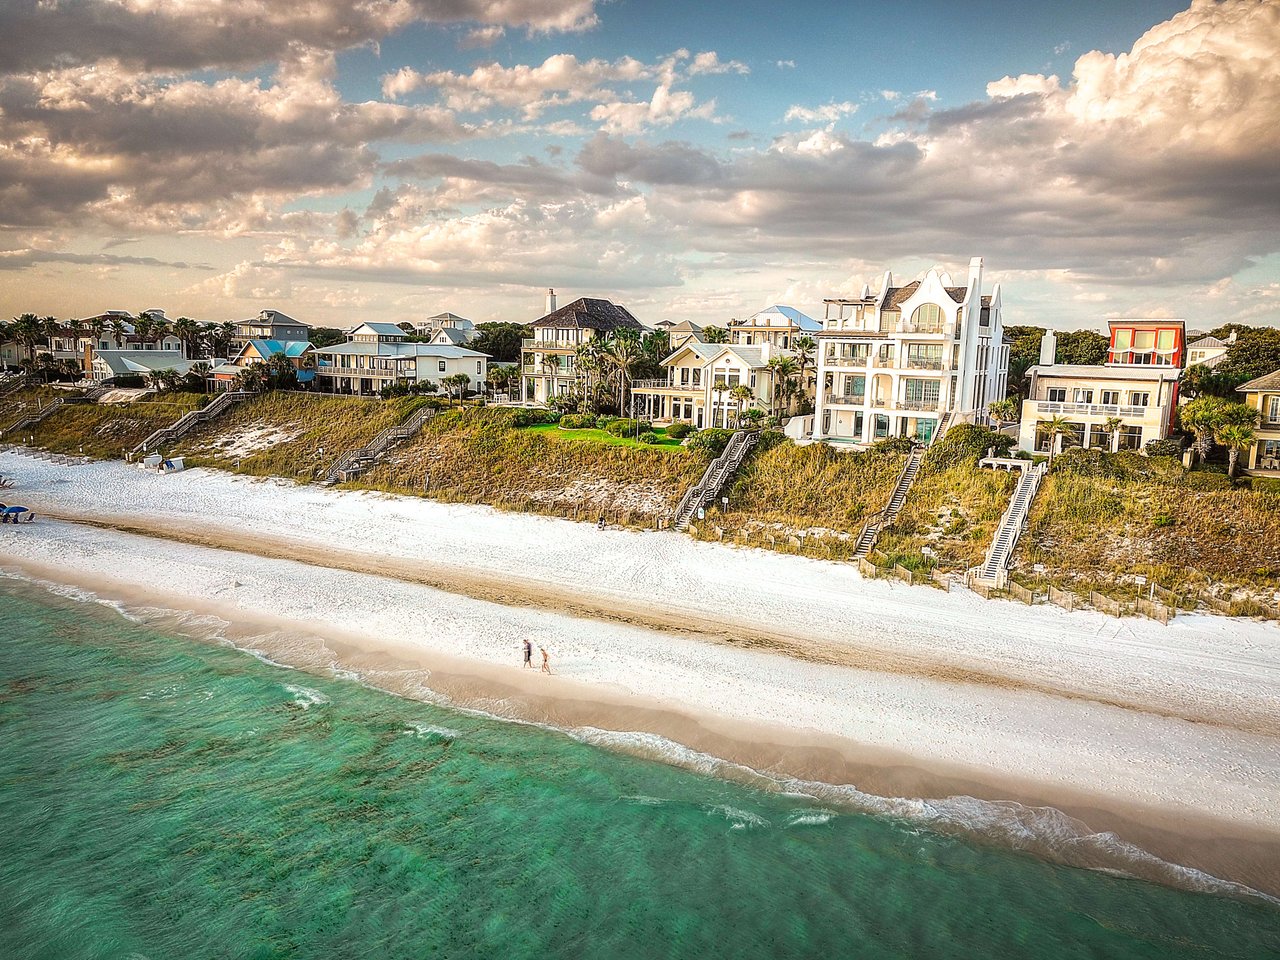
point(827, 113)
point(564, 79)
point(785, 64)
point(187, 35)
point(24, 258)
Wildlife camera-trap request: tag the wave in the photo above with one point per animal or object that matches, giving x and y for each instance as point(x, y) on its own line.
point(1044, 832)
point(430, 731)
point(305, 697)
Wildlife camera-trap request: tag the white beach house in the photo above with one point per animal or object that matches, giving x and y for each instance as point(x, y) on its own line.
point(898, 362)
point(377, 354)
point(548, 359)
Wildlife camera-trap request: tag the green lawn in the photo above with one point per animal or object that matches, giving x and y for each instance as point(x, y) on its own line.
point(601, 436)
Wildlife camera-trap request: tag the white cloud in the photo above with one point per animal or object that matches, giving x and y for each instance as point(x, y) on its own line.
point(827, 113)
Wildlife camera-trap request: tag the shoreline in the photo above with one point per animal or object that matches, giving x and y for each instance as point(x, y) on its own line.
point(808, 759)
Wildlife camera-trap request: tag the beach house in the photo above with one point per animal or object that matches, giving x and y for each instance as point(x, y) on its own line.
point(1118, 405)
point(378, 354)
point(701, 384)
point(1208, 351)
point(445, 328)
point(270, 325)
point(901, 361)
point(778, 325)
point(547, 359)
point(112, 364)
point(1263, 394)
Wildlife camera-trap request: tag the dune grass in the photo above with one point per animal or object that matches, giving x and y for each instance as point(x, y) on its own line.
point(809, 498)
point(24, 401)
point(109, 430)
point(478, 456)
point(1101, 518)
point(556, 432)
point(291, 434)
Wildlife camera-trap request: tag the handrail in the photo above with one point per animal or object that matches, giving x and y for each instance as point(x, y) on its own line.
point(184, 423)
point(715, 476)
point(31, 419)
point(351, 461)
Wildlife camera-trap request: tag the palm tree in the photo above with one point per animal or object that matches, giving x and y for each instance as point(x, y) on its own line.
point(26, 330)
point(720, 388)
point(1003, 411)
point(188, 331)
point(623, 354)
point(119, 330)
point(459, 380)
point(1056, 426)
point(715, 335)
point(1202, 416)
point(784, 370)
point(1235, 437)
point(1111, 427)
point(804, 348)
point(742, 395)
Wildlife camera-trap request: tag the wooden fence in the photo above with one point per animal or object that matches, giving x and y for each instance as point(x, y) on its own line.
point(902, 573)
point(1105, 604)
point(1019, 592)
point(1156, 611)
point(1063, 598)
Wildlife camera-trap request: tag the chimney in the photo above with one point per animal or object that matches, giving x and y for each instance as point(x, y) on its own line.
point(1231, 338)
point(1048, 348)
point(551, 301)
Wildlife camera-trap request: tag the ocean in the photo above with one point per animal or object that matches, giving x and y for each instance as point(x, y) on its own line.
point(165, 797)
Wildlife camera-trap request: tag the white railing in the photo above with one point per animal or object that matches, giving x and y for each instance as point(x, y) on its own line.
point(1091, 409)
point(850, 398)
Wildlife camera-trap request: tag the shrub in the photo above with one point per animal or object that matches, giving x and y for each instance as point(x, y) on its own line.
point(1170, 447)
point(626, 427)
point(893, 445)
point(128, 380)
point(650, 437)
point(1163, 520)
point(768, 440)
point(711, 442)
point(603, 421)
point(966, 442)
point(578, 421)
point(525, 417)
point(679, 430)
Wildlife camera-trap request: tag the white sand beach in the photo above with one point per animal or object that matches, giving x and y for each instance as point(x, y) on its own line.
point(1167, 735)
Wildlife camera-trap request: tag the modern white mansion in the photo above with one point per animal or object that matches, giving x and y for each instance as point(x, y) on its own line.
point(899, 362)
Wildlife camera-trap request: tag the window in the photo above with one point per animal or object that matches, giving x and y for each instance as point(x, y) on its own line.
point(1111, 397)
point(928, 318)
point(1083, 396)
point(1056, 394)
point(922, 394)
point(924, 356)
point(1271, 449)
point(1130, 438)
point(1137, 399)
point(1273, 409)
point(442, 366)
point(479, 366)
point(882, 426)
point(697, 378)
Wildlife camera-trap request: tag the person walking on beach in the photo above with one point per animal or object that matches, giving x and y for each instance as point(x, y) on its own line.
point(528, 652)
point(546, 662)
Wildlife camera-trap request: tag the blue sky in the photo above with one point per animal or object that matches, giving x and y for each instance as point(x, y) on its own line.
point(391, 160)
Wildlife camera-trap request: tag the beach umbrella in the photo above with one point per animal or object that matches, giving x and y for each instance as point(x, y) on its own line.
point(16, 509)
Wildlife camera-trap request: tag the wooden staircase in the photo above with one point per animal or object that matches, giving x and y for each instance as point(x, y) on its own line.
point(994, 569)
point(12, 384)
point(881, 519)
point(355, 462)
point(714, 479)
point(29, 420)
point(188, 421)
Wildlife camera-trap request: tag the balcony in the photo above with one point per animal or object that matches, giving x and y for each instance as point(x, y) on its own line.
point(1055, 407)
point(549, 346)
point(647, 385)
point(924, 363)
point(834, 361)
point(848, 399)
point(919, 406)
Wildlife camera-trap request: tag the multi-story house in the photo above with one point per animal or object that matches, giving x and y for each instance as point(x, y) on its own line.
point(377, 354)
point(445, 328)
point(701, 380)
point(778, 325)
point(1208, 351)
point(270, 325)
point(898, 362)
point(548, 359)
point(1263, 394)
point(1118, 405)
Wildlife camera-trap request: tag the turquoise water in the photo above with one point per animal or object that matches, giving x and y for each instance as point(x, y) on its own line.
point(164, 797)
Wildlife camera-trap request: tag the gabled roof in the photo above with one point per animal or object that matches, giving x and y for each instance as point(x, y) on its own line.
point(897, 296)
point(142, 361)
point(1207, 343)
point(1268, 381)
point(449, 318)
point(379, 329)
point(268, 348)
point(273, 316)
point(452, 334)
point(793, 315)
point(587, 313)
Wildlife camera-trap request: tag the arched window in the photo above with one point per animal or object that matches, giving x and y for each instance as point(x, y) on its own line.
point(928, 318)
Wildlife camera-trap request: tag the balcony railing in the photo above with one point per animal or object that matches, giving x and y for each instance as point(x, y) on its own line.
point(528, 343)
point(1089, 409)
point(924, 363)
point(923, 406)
point(846, 398)
point(835, 361)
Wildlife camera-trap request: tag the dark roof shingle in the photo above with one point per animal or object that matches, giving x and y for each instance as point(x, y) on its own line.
point(591, 314)
point(1268, 381)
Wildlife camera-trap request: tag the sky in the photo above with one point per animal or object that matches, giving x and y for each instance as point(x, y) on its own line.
point(351, 160)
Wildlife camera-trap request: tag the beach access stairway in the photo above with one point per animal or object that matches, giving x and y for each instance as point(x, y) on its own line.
point(29, 420)
point(882, 518)
point(994, 570)
point(12, 384)
point(355, 462)
point(718, 473)
point(190, 420)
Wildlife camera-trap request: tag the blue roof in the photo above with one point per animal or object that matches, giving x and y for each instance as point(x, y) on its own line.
point(290, 348)
point(801, 320)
